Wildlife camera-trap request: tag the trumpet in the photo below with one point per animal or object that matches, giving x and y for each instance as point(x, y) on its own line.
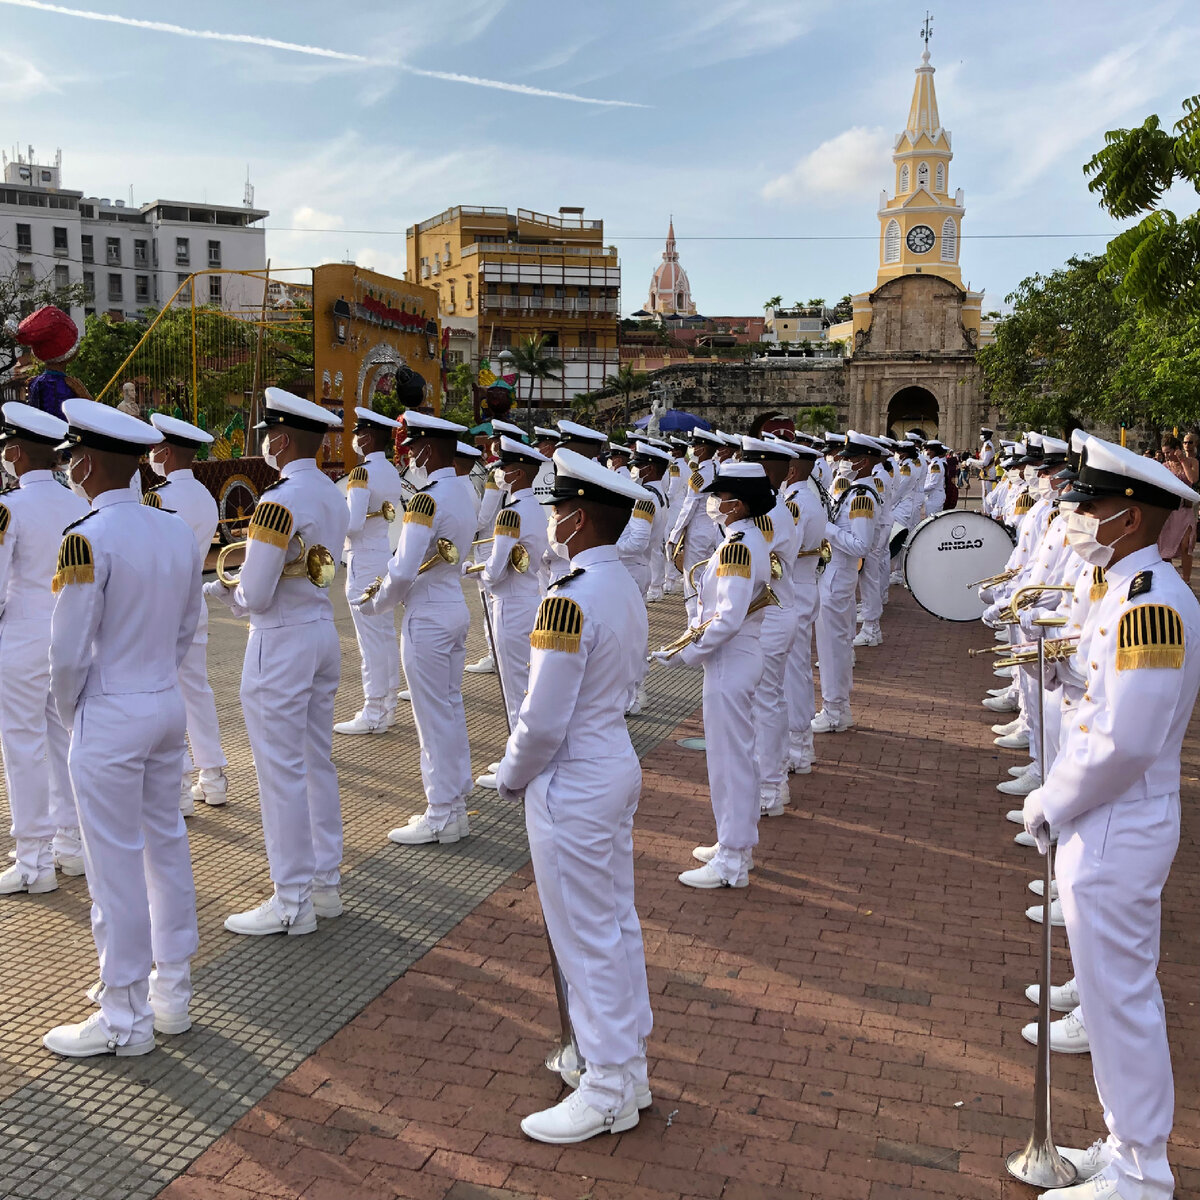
point(1056, 650)
point(676, 553)
point(314, 563)
point(992, 580)
point(764, 599)
point(447, 552)
point(518, 559)
point(776, 566)
point(387, 510)
point(1023, 597)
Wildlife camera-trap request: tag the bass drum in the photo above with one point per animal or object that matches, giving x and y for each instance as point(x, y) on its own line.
point(949, 551)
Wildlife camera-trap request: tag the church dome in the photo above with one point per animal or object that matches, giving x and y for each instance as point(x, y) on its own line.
point(670, 291)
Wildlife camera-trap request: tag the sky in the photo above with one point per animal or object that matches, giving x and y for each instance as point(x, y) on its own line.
point(764, 126)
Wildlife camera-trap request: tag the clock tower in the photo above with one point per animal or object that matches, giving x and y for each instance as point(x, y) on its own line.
point(920, 226)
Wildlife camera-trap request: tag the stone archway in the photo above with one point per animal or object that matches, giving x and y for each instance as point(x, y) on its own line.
point(379, 359)
point(913, 407)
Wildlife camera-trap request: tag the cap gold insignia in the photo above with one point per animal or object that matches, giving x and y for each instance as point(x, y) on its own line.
point(271, 523)
point(358, 478)
point(421, 510)
point(508, 523)
point(75, 563)
point(734, 559)
point(1150, 635)
point(559, 625)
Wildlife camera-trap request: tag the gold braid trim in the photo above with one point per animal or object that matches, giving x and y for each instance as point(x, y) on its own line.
point(734, 559)
point(695, 481)
point(862, 506)
point(767, 526)
point(559, 625)
point(358, 478)
point(75, 563)
point(1024, 503)
point(421, 510)
point(5, 521)
point(644, 509)
point(906, 469)
point(271, 523)
point(508, 523)
point(152, 500)
point(1099, 587)
point(794, 509)
point(1150, 635)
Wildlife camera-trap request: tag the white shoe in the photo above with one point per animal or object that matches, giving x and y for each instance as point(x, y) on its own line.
point(706, 854)
point(635, 709)
point(327, 901)
point(800, 762)
point(1016, 816)
point(187, 805)
point(70, 864)
point(824, 723)
point(87, 1039)
point(1013, 741)
point(1038, 886)
point(1000, 691)
point(1067, 1036)
point(485, 666)
point(493, 767)
point(653, 595)
point(267, 919)
point(1001, 703)
point(1005, 672)
point(361, 723)
point(172, 1022)
point(1030, 781)
point(1027, 839)
point(1090, 1162)
point(773, 804)
point(487, 780)
point(418, 832)
point(404, 694)
point(575, 1120)
point(1036, 914)
point(868, 637)
point(708, 876)
point(94, 993)
point(1062, 999)
point(1017, 772)
point(1099, 1187)
point(1012, 726)
point(13, 882)
point(211, 789)
point(570, 1073)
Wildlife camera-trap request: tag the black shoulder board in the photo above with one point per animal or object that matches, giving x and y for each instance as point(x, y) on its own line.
point(565, 579)
point(270, 487)
point(1140, 584)
point(156, 486)
point(85, 517)
point(737, 537)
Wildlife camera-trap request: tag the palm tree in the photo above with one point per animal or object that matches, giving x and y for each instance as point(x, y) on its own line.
point(532, 357)
point(625, 382)
point(818, 418)
point(774, 302)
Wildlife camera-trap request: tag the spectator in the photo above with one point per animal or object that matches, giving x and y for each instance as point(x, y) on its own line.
point(1178, 537)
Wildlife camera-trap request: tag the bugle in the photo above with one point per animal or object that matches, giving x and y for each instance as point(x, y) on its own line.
point(314, 563)
point(518, 559)
point(387, 510)
point(764, 599)
point(1056, 650)
point(1025, 596)
point(992, 580)
point(447, 552)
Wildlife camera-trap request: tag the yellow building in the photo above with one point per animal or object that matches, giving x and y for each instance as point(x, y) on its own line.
point(501, 276)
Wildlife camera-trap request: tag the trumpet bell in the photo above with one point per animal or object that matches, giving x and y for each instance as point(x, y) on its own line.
point(320, 566)
point(229, 578)
point(776, 566)
point(519, 559)
point(447, 551)
point(387, 510)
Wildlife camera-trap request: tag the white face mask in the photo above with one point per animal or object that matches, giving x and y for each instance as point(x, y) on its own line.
point(1029, 474)
point(1044, 485)
point(77, 481)
point(357, 447)
point(270, 459)
point(500, 480)
point(563, 548)
point(635, 472)
point(10, 467)
point(1081, 537)
point(158, 466)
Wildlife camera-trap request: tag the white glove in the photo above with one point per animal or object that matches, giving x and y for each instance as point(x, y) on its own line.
point(660, 656)
point(218, 591)
point(510, 795)
point(991, 615)
point(1036, 824)
point(1033, 632)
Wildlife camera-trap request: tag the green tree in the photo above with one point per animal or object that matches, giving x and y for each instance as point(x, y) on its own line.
point(21, 295)
point(106, 344)
point(625, 382)
point(843, 310)
point(534, 358)
point(817, 418)
point(773, 302)
point(1157, 261)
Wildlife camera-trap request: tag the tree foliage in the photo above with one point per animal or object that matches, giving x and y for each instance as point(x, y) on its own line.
point(817, 418)
point(19, 296)
point(534, 358)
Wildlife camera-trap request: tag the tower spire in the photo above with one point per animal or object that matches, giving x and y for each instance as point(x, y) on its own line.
point(923, 112)
point(671, 254)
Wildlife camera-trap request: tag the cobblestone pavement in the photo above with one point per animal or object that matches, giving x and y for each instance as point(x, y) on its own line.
point(848, 1027)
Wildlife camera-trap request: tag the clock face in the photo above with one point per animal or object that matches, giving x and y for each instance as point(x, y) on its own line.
point(920, 239)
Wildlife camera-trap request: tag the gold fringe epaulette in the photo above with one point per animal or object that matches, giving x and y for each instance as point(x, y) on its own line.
point(358, 478)
point(734, 559)
point(5, 521)
point(862, 506)
point(1150, 635)
point(644, 509)
point(767, 526)
point(421, 510)
point(1099, 588)
point(559, 625)
point(152, 500)
point(794, 509)
point(1024, 503)
point(271, 523)
point(508, 523)
point(695, 481)
point(75, 563)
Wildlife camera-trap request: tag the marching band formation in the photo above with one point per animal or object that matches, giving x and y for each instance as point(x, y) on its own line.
point(778, 544)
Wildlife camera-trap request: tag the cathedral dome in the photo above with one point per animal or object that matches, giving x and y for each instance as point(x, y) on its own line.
point(670, 291)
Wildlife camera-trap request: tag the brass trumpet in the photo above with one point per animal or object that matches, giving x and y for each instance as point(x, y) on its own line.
point(992, 580)
point(764, 599)
point(1056, 650)
point(518, 559)
point(314, 563)
point(1023, 597)
point(676, 553)
point(776, 566)
point(447, 552)
point(387, 510)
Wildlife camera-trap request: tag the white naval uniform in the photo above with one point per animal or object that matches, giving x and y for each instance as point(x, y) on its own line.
point(696, 527)
point(128, 598)
point(674, 486)
point(513, 596)
point(850, 534)
point(986, 463)
point(1113, 797)
point(876, 569)
point(181, 492)
point(935, 486)
point(658, 533)
point(798, 674)
point(731, 653)
point(433, 638)
point(372, 482)
point(33, 517)
point(571, 755)
point(645, 526)
point(289, 680)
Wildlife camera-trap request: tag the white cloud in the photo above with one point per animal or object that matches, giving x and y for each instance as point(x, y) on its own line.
point(851, 163)
point(732, 29)
point(20, 79)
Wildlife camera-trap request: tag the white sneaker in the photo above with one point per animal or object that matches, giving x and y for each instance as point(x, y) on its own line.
point(485, 666)
point(799, 764)
point(824, 723)
point(706, 854)
point(187, 805)
point(653, 595)
point(404, 694)
point(211, 788)
point(1013, 741)
point(1038, 887)
point(88, 1039)
point(1016, 816)
point(1010, 727)
point(362, 723)
point(1036, 914)
point(1062, 999)
point(575, 1120)
point(867, 637)
point(1099, 1187)
point(1067, 1036)
point(1027, 839)
point(708, 876)
point(1000, 691)
point(487, 780)
point(1030, 781)
point(327, 901)
point(12, 882)
point(172, 1022)
point(773, 804)
point(493, 767)
point(1001, 704)
point(1090, 1162)
point(267, 919)
point(571, 1075)
point(70, 864)
point(635, 709)
point(1017, 772)
point(418, 832)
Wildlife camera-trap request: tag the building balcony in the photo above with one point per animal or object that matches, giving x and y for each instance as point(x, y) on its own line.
point(570, 306)
point(536, 249)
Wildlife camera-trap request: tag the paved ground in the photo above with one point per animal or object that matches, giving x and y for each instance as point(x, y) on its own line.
point(846, 1027)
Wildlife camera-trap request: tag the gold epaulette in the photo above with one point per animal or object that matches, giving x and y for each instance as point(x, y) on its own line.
point(767, 526)
point(1150, 635)
point(271, 523)
point(421, 510)
point(936, 467)
point(508, 523)
point(673, 470)
point(358, 478)
point(1024, 503)
point(559, 625)
point(5, 521)
point(1099, 588)
point(490, 485)
point(840, 484)
point(906, 469)
point(644, 509)
point(794, 509)
point(862, 506)
point(152, 500)
point(734, 559)
point(75, 563)
point(695, 481)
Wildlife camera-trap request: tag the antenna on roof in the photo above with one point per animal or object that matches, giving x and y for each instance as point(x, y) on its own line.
point(248, 194)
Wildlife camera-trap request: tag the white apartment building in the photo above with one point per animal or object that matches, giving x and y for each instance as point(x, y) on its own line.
point(128, 258)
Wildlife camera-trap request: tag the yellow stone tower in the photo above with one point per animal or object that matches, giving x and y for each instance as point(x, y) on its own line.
point(920, 226)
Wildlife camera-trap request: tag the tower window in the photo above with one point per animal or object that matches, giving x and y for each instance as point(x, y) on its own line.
point(941, 177)
point(949, 241)
point(891, 242)
point(923, 176)
point(904, 179)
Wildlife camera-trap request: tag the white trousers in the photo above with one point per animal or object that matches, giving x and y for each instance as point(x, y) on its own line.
point(579, 816)
point(1028, 685)
point(34, 744)
point(871, 582)
point(658, 565)
point(513, 618)
point(835, 635)
point(731, 677)
point(798, 674)
point(124, 764)
point(203, 729)
point(375, 632)
point(770, 699)
point(1112, 864)
point(433, 647)
point(289, 680)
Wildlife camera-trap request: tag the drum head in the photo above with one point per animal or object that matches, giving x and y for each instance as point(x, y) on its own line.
point(947, 552)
